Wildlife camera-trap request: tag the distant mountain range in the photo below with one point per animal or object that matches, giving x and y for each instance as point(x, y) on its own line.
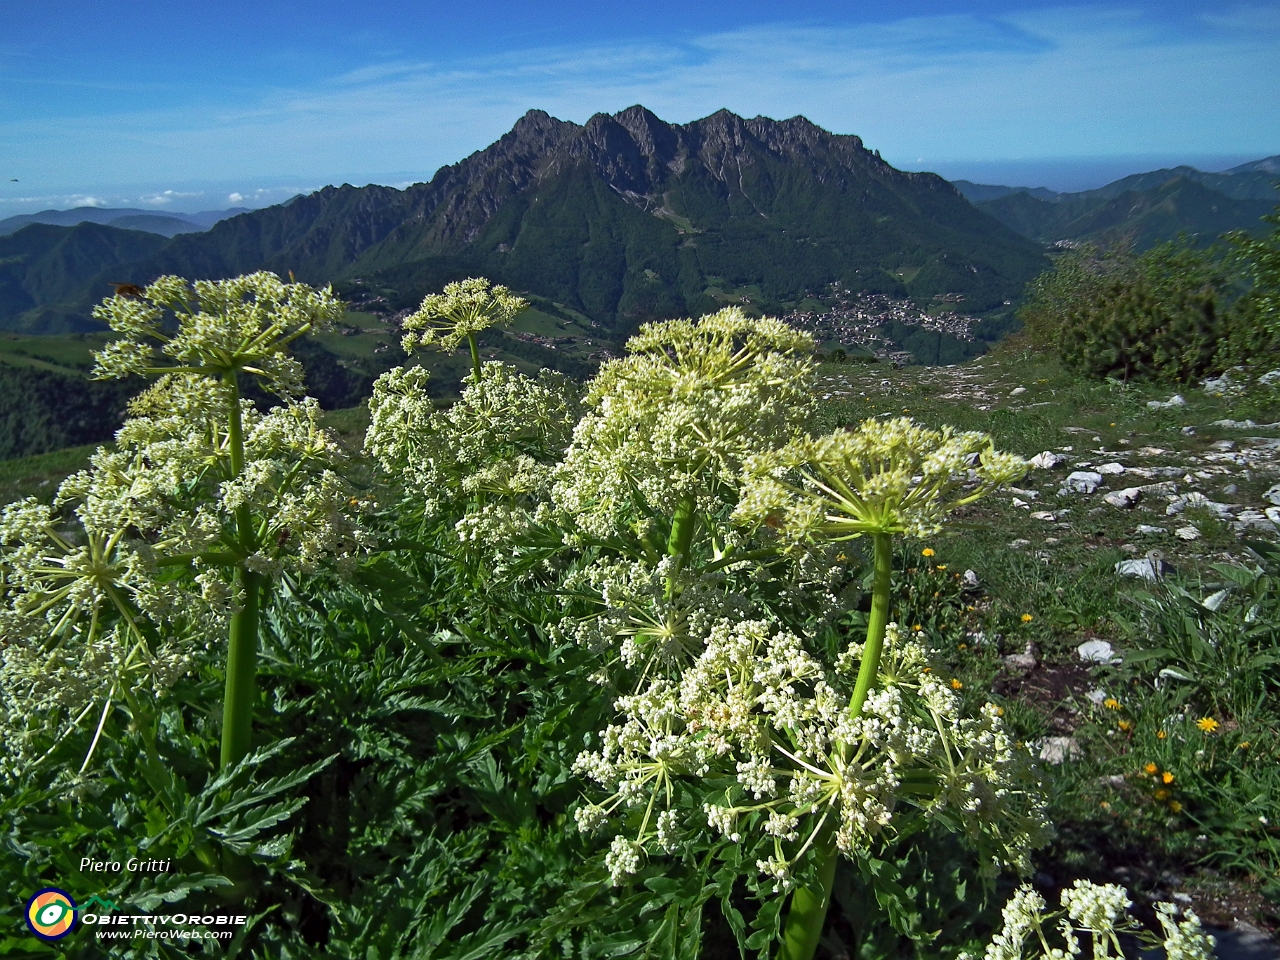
point(1143, 209)
point(622, 219)
point(150, 221)
point(627, 218)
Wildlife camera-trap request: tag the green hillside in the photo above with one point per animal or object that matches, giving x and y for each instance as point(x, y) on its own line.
point(1145, 214)
point(44, 268)
point(623, 219)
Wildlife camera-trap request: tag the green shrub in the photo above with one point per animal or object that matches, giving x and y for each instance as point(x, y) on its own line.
point(1157, 316)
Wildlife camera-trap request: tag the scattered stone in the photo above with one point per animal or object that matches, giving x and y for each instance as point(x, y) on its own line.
point(1149, 530)
point(1096, 696)
point(1021, 503)
point(1046, 515)
point(1273, 494)
point(1017, 391)
point(1125, 499)
point(1223, 445)
point(1198, 501)
point(1161, 489)
point(1234, 424)
point(1151, 567)
point(1026, 660)
point(1097, 651)
point(1055, 750)
point(1230, 490)
point(1128, 548)
point(1176, 400)
point(1188, 431)
point(1272, 514)
point(1255, 520)
point(1154, 451)
point(1046, 461)
point(1267, 379)
point(1110, 469)
point(1050, 541)
point(1223, 386)
point(1115, 780)
point(969, 580)
point(1029, 494)
point(1019, 544)
point(1083, 481)
point(1189, 532)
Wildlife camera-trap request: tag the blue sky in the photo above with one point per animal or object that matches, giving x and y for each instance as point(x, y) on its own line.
point(192, 106)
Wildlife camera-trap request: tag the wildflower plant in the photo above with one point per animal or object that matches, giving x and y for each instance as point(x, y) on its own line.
point(465, 309)
point(201, 505)
point(694, 452)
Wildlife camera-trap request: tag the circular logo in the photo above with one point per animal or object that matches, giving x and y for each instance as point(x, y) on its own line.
point(51, 913)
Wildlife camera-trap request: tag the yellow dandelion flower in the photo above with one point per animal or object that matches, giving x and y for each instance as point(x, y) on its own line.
point(1207, 724)
point(999, 711)
point(1167, 777)
point(1111, 703)
point(1175, 806)
point(1104, 805)
point(1125, 725)
point(1162, 794)
point(956, 684)
point(1151, 768)
point(1027, 618)
point(927, 552)
point(1161, 735)
point(941, 566)
point(963, 646)
point(841, 558)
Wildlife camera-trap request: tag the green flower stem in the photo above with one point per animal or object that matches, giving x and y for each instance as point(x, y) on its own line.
point(242, 647)
point(475, 356)
point(809, 905)
point(683, 523)
point(882, 552)
point(242, 668)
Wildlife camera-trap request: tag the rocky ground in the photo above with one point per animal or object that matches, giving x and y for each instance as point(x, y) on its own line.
point(1132, 488)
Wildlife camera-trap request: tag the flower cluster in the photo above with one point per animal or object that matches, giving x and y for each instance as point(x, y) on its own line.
point(883, 476)
point(224, 327)
point(679, 416)
point(501, 437)
point(759, 712)
point(1098, 912)
point(464, 309)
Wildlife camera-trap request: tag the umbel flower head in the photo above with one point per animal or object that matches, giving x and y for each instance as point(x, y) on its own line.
point(1100, 913)
point(224, 327)
point(882, 476)
point(500, 437)
point(464, 309)
point(758, 713)
point(681, 413)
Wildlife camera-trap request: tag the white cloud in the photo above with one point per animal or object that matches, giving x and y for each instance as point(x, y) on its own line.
point(235, 198)
point(84, 201)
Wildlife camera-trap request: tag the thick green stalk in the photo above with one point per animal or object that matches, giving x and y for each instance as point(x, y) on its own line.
point(882, 552)
point(475, 356)
point(242, 647)
point(242, 668)
point(683, 523)
point(809, 904)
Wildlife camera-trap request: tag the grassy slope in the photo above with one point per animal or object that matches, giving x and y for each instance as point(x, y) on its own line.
point(1061, 574)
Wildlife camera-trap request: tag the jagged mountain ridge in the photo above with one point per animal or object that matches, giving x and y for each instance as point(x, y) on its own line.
point(627, 217)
